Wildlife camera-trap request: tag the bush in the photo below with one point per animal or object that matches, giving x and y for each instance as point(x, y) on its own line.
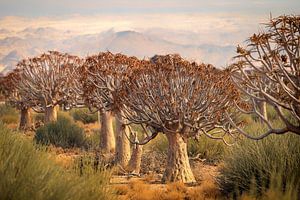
point(158, 144)
point(274, 191)
point(8, 114)
point(206, 148)
point(254, 162)
point(83, 115)
point(28, 173)
point(63, 133)
point(92, 141)
point(39, 117)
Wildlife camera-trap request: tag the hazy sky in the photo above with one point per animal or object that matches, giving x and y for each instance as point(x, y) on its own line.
point(219, 22)
point(33, 8)
point(182, 22)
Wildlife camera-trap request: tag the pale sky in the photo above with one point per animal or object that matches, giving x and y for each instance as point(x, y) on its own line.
point(184, 22)
point(33, 8)
point(217, 22)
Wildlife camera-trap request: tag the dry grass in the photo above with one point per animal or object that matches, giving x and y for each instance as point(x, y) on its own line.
point(64, 160)
point(175, 191)
point(140, 190)
point(90, 128)
point(208, 190)
point(12, 126)
point(150, 178)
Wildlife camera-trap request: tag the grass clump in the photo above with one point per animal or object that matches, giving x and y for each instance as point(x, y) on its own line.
point(206, 148)
point(30, 173)
point(63, 133)
point(92, 141)
point(84, 115)
point(250, 165)
point(277, 190)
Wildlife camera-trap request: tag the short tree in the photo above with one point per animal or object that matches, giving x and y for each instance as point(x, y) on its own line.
point(268, 72)
point(8, 88)
point(181, 100)
point(48, 80)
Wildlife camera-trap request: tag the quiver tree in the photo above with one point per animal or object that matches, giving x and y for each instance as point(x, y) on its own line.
point(14, 97)
point(92, 99)
point(48, 81)
point(268, 71)
point(107, 137)
point(103, 74)
point(181, 100)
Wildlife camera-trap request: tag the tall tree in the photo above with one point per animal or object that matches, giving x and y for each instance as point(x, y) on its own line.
point(181, 100)
point(268, 72)
point(48, 80)
point(107, 136)
point(101, 81)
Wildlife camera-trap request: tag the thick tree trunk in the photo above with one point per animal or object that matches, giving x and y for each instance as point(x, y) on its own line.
point(25, 119)
point(50, 114)
point(134, 165)
point(122, 143)
point(107, 137)
point(178, 166)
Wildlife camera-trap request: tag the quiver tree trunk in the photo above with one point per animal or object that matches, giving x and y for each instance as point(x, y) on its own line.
point(134, 165)
point(107, 137)
point(122, 143)
point(50, 114)
point(263, 109)
point(25, 119)
point(178, 166)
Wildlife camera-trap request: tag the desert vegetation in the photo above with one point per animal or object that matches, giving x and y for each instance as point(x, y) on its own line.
point(110, 126)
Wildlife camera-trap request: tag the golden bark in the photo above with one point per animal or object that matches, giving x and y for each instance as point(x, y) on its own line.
point(178, 166)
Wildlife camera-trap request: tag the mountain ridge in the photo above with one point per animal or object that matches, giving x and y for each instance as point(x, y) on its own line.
point(33, 41)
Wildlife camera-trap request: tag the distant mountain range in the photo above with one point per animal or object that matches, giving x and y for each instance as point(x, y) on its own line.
point(32, 42)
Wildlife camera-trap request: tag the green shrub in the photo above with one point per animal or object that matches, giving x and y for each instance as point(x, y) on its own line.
point(92, 141)
point(83, 115)
point(8, 114)
point(63, 133)
point(39, 117)
point(206, 148)
point(30, 173)
point(255, 161)
point(158, 144)
point(274, 190)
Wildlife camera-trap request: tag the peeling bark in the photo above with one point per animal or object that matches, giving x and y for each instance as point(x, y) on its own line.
point(50, 114)
point(134, 165)
point(107, 137)
point(25, 119)
point(178, 166)
point(122, 143)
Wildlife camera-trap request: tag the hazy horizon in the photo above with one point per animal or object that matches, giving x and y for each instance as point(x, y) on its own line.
point(183, 24)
